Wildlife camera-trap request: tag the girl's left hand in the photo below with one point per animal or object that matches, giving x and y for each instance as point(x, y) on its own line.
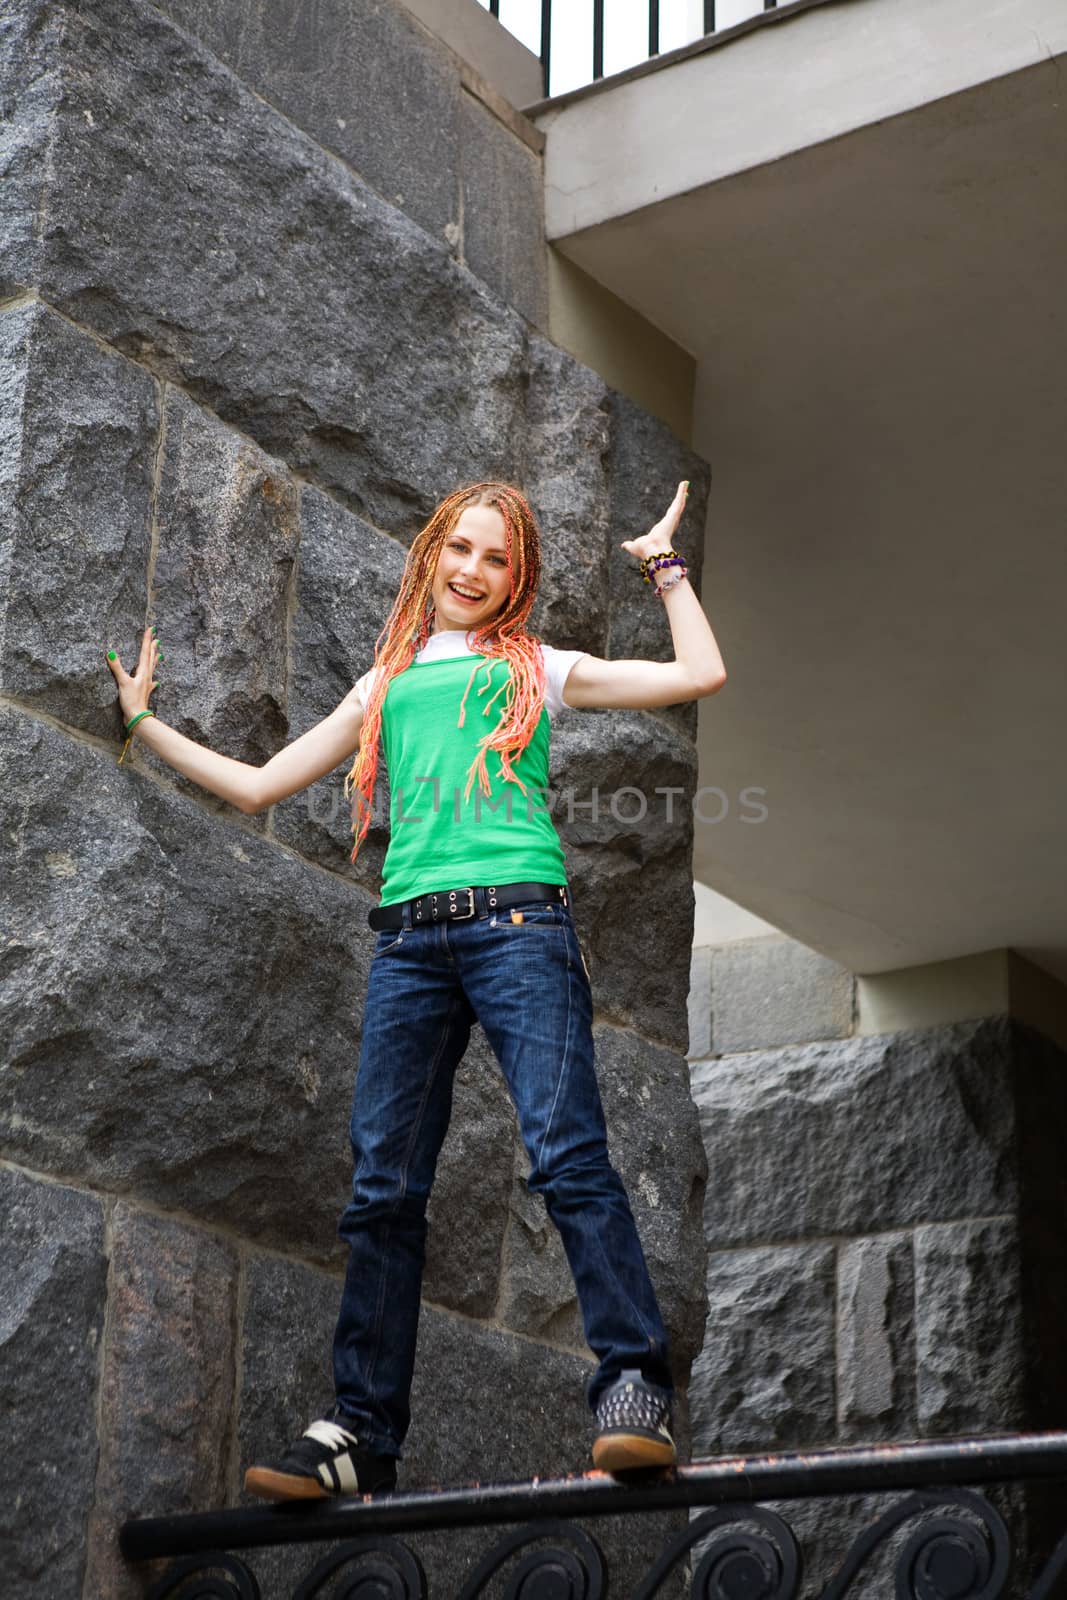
point(657, 541)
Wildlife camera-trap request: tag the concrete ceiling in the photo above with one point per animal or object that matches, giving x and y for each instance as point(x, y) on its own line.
point(880, 329)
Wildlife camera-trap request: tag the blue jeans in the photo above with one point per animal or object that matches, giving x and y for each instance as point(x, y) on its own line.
point(526, 984)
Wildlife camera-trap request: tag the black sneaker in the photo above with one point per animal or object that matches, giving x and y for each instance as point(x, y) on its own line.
point(326, 1460)
point(634, 1421)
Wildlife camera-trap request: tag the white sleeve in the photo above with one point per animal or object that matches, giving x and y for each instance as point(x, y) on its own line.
point(558, 664)
point(363, 688)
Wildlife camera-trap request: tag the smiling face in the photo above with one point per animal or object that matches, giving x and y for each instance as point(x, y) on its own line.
point(471, 583)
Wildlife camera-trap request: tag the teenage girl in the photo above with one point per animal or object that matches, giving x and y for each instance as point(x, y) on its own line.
point(474, 925)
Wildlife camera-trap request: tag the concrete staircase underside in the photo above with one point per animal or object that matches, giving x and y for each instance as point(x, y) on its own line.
point(855, 223)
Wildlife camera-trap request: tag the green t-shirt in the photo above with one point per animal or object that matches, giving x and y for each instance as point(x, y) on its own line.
point(438, 839)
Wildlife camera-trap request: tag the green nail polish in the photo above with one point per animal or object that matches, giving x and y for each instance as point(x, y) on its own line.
point(111, 655)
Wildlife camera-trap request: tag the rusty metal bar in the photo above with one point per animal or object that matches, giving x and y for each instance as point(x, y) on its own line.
point(855, 1470)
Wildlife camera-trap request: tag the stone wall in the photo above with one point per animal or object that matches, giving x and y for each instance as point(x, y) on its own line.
point(235, 379)
point(886, 1220)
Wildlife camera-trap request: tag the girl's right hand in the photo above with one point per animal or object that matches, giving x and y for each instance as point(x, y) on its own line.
point(136, 687)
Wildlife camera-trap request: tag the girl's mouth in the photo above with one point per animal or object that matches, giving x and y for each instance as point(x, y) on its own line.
point(470, 597)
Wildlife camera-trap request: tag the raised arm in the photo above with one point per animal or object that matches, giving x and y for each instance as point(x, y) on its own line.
point(697, 668)
point(249, 788)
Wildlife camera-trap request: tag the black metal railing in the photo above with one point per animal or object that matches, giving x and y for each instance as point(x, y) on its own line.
point(598, 33)
point(948, 1542)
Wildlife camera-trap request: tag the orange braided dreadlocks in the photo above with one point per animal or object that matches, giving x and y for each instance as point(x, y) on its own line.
point(408, 626)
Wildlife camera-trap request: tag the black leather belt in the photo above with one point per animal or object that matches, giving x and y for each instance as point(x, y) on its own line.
point(456, 905)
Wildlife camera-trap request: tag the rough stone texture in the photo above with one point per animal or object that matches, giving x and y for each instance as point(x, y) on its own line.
point(767, 992)
point(229, 532)
point(646, 464)
point(181, 998)
point(286, 1337)
point(632, 879)
point(939, 1101)
point(567, 440)
point(503, 212)
point(286, 1379)
point(468, 1209)
point(541, 1422)
point(398, 375)
point(765, 1377)
point(700, 1021)
point(30, 89)
point(944, 1328)
point(655, 1145)
point(168, 1384)
point(347, 579)
point(368, 82)
point(969, 1326)
point(53, 1270)
point(363, 78)
point(876, 1338)
point(77, 434)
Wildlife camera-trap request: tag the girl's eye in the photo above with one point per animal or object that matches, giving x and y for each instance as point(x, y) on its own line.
point(499, 561)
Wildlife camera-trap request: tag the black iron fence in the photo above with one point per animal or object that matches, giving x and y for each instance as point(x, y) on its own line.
point(598, 32)
point(947, 1541)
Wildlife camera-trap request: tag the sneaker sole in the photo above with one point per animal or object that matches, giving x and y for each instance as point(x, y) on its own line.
point(624, 1452)
point(271, 1485)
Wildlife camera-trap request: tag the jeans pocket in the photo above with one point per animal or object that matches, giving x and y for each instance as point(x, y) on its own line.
point(388, 939)
point(534, 915)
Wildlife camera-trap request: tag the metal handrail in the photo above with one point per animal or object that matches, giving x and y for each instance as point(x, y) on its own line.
point(860, 1469)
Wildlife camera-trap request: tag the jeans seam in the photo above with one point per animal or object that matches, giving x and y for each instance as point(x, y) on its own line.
point(379, 1308)
point(567, 1039)
point(653, 1343)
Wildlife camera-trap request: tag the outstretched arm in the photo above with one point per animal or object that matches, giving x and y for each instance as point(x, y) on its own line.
point(249, 788)
point(697, 668)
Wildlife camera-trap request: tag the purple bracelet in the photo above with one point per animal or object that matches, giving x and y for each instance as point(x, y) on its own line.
point(659, 564)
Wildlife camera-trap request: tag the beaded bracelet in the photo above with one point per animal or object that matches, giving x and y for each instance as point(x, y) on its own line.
point(666, 561)
point(662, 558)
point(129, 731)
point(669, 583)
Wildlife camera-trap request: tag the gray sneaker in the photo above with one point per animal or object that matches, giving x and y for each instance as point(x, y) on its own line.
point(634, 1426)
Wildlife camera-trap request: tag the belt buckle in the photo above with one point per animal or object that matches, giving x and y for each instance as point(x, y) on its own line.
point(461, 916)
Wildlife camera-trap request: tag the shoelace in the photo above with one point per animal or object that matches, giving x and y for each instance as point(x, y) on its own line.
point(331, 1434)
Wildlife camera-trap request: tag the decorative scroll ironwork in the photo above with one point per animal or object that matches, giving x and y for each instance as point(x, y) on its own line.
point(552, 1574)
point(946, 1557)
point(200, 1577)
point(378, 1569)
point(960, 1549)
point(763, 1566)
